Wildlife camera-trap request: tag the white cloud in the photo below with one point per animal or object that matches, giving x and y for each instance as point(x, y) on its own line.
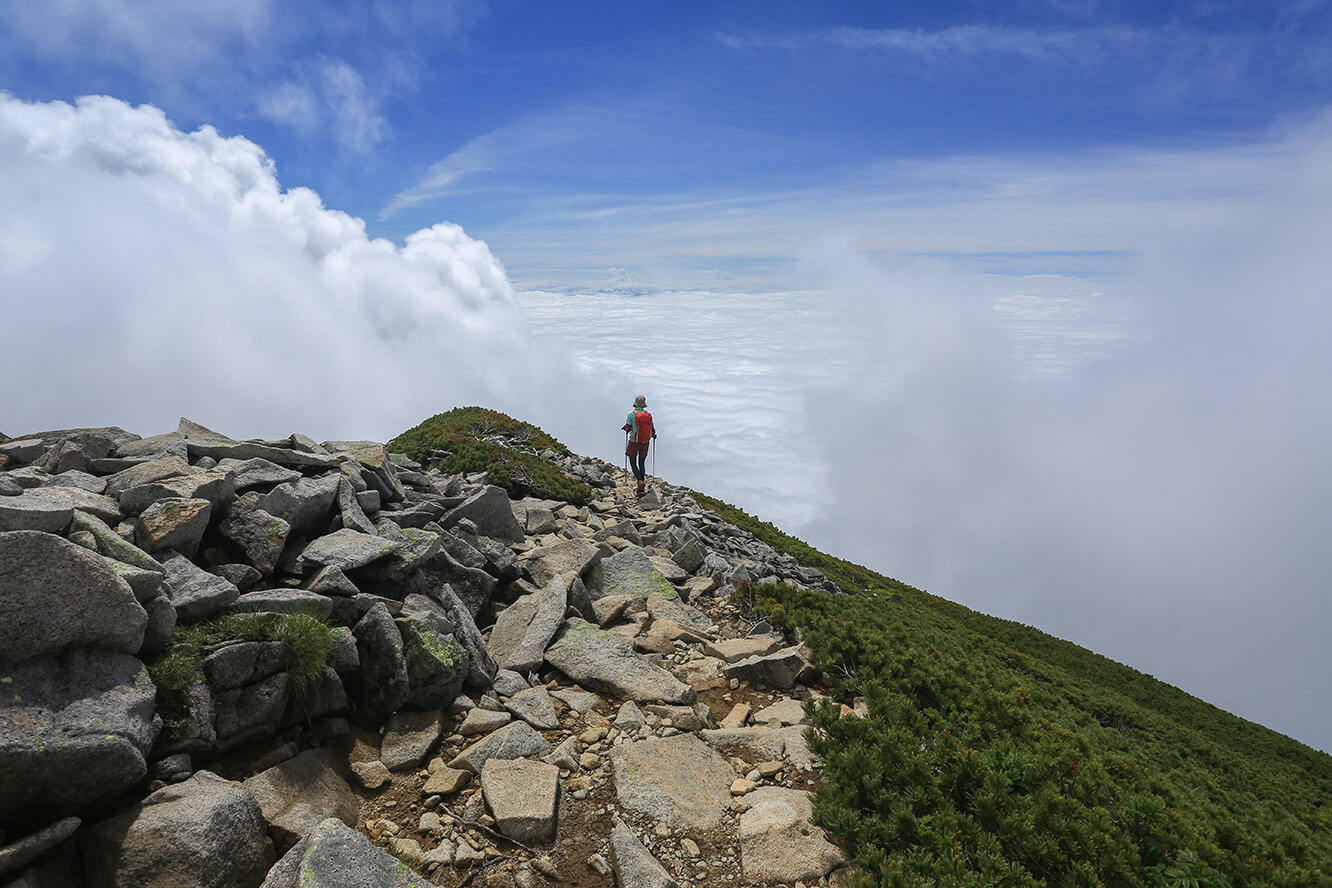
point(327, 99)
point(151, 273)
point(1135, 461)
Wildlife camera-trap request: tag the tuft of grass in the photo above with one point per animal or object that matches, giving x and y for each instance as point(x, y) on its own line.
point(307, 637)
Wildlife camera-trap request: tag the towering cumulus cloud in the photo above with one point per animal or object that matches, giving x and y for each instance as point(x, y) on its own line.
point(147, 273)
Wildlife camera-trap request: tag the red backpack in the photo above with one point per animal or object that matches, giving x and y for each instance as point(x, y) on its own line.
point(642, 427)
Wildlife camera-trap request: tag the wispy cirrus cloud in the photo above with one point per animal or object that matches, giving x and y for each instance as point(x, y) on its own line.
point(513, 145)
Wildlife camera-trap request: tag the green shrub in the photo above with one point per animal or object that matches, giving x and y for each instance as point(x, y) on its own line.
point(472, 439)
point(980, 766)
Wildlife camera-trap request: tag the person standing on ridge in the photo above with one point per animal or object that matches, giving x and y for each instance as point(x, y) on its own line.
point(641, 433)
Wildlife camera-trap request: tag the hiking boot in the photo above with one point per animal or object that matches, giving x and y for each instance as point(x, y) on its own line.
point(642, 489)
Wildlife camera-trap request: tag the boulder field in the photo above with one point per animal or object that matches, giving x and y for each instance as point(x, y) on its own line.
point(283, 662)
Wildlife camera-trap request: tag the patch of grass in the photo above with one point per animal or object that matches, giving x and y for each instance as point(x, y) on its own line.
point(471, 439)
point(307, 637)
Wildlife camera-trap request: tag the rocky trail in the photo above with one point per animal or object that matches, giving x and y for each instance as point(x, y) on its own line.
point(513, 693)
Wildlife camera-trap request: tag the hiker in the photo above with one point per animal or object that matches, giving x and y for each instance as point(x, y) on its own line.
point(641, 434)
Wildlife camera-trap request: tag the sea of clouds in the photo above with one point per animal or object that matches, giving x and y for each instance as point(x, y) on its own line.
point(1138, 464)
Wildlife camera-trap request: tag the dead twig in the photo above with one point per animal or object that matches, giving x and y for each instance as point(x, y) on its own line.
point(494, 834)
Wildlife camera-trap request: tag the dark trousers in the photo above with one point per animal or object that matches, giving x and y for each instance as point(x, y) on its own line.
point(637, 454)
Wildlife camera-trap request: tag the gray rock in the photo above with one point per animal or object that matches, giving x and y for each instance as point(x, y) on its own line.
point(634, 865)
point(548, 610)
point(733, 650)
point(206, 832)
point(74, 733)
point(489, 509)
point(145, 584)
point(16, 855)
point(260, 536)
point(511, 627)
point(409, 738)
point(204, 442)
point(777, 841)
point(472, 587)
point(483, 721)
point(598, 660)
point(371, 775)
point(415, 547)
point(161, 624)
point(251, 474)
point(628, 572)
point(481, 666)
point(661, 608)
point(456, 544)
point(337, 856)
point(507, 683)
point(677, 780)
point(39, 509)
point(283, 601)
point(9, 487)
point(690, 556)
point(578, 700)
point(299, 794)
point(377, 469)
point(611, 608)
point(342, 655)
point(146, 473)
point(436, 663)
point(330, 581)
point(81, 480)
point(625, 530)
point(217, 486)
point(252, 712)
point(349, 507)
point(195, 593)
point(323, 697)
point(306, 505)
point(686, 718)
point(168, 444)
point(756, 744)
point(244, 662)
point(112, 544)
point(777, 670)
point(380, 688)
point(522, 796)
point(346, 550)
point(28, 477)
point(55, 595)
point(564, 756)
point(782, 713)
point(515, 740)
point(535, 707)
point(173, 523)
point(567, 557)
point(24, 450)
point(630, 717)
point(242, 576)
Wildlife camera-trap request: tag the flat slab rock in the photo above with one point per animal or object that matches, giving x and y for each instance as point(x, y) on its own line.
point(300, 793)
point(522, 796)
point(777, 841)
point(678, 780)
point(336, 856)
point(515, 740)
point(598, 660)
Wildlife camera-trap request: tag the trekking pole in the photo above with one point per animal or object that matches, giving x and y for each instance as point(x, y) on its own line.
point(654, 455)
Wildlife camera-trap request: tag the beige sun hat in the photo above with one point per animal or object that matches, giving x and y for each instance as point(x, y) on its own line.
point(640, 401)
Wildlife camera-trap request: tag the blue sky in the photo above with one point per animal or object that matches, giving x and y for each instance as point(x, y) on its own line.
point(1020, 303)
point(547, 128)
